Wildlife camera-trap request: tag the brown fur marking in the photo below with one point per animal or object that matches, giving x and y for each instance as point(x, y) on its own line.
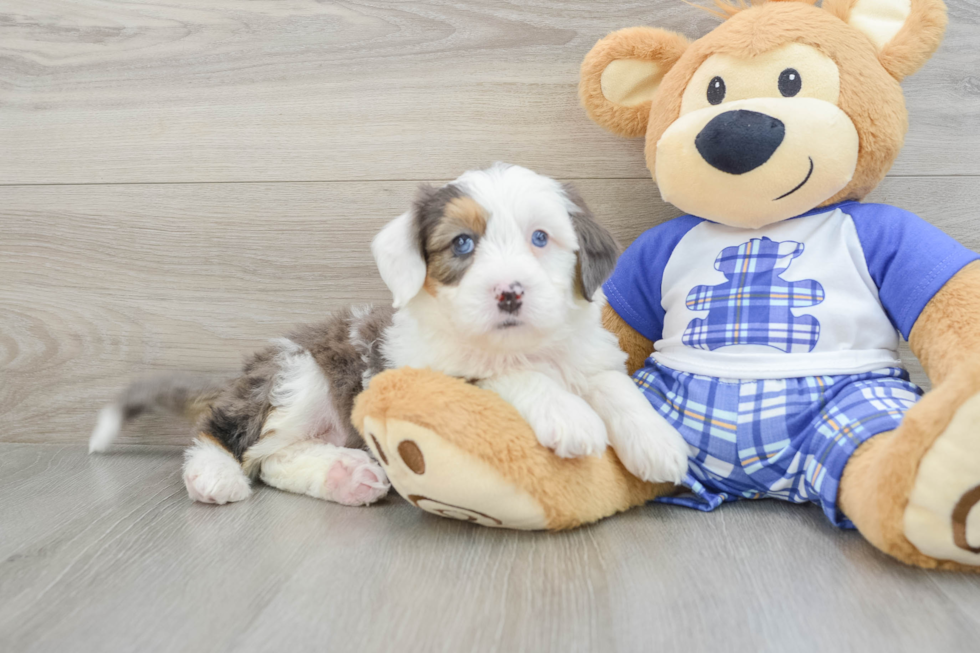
point(458, 215)
point(202, 435)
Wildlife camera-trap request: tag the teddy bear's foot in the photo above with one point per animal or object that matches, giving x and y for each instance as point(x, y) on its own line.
point(458, 451)
point(942, 518)
point(440, 478)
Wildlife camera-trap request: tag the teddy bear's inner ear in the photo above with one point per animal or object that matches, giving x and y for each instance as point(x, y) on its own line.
point(621, 75)
point(629, 82)
point(905, 32)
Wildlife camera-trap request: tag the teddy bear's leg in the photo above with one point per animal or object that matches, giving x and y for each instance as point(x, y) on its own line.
point(458, 451)
point(940, 520)
point(915, 492)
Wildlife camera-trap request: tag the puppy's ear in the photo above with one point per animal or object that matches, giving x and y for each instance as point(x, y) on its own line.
point(905, 32)
point(622, 73)
point(398, 253)
point(597, 249)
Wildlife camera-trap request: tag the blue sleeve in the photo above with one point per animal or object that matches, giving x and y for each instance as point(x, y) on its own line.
point(908, 259)
point(634, 289)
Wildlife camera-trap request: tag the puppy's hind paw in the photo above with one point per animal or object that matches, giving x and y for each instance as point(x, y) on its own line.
point(354, 479)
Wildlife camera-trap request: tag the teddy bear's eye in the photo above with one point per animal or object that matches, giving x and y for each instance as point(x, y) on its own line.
point(790, 82)
point(716, 90)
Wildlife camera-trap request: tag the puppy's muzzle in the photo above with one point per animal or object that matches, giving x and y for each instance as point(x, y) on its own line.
point(509, 300)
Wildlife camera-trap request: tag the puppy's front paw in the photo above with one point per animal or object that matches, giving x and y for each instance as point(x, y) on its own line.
point(569, 426)
point(649, 447)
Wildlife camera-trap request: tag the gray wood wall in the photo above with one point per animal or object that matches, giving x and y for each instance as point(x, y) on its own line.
point(181, 180)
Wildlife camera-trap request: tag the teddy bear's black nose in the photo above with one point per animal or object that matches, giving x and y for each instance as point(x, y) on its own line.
point(739, 141)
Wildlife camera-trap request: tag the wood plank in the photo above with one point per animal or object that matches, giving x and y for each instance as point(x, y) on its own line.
point(99, 91)
point(105, 283)
point(140, 567)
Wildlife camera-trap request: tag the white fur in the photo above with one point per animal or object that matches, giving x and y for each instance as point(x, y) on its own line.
point(301, 445)
point(326, 471)
point(301, 407)
point(562, 421)
point(399, 261)
point(561, 370)
point(648, 446)
point(359, 342)
point(212, 475)
point(551, 363)
point(106, 429)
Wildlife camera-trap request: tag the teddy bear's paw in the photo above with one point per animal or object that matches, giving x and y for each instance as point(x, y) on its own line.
point(942, 518)
point(569, 426)
point(443, 479)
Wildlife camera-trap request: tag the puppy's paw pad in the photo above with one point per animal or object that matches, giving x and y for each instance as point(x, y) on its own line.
point(355, 479)
point(219, 486)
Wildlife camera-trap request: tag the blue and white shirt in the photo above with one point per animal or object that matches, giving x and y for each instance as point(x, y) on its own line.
point(827, 292)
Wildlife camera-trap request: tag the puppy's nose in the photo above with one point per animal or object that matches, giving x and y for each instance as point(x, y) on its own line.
point(509, 299)
point(737, 142)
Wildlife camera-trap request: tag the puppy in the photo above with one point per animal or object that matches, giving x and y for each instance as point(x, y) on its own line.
point(496, 279)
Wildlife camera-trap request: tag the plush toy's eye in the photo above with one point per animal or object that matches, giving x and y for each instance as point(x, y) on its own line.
point(790, 82)
point(716, 90)
point(539, 238)
point(463, 245)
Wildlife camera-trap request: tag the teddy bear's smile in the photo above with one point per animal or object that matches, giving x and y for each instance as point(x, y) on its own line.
point(801, 184)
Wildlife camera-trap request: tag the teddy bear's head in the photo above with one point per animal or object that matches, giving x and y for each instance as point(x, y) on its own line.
point(782, 108)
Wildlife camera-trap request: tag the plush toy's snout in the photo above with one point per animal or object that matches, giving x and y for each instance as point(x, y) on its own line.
point(737, 142)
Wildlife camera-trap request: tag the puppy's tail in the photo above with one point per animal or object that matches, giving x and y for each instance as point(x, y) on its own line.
point(185, 395)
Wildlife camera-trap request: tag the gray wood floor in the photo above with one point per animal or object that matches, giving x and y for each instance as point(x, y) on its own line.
point(182, 180)
point(108, 554)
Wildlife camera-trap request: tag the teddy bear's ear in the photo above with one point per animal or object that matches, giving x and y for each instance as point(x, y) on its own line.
point(906, 32)
point(621, 74)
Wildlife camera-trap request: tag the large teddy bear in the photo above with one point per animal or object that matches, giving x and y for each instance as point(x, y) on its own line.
point(763, 325)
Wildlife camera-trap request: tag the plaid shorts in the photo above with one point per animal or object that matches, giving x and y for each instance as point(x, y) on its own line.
point(774, 438)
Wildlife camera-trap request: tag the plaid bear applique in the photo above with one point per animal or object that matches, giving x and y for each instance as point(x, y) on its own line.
point(753, 307)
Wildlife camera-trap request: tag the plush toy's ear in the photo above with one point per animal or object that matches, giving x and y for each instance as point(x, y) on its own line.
point(397, 252)
point(906, 32)
point(621, 74)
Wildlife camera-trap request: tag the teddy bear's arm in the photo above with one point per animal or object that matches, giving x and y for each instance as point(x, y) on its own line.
point(635, 345)
point(946, 337)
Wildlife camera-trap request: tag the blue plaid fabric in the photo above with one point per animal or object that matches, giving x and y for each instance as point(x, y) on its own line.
point(753, 306)
point(774, 438)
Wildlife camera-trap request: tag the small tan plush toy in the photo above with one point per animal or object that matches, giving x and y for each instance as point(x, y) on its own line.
point(764, 324)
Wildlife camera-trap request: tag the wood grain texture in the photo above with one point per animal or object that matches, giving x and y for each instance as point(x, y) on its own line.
point(178, 90)
point(106, 553)
point(105, 283)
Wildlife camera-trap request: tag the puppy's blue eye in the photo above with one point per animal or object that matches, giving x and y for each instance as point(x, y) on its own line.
point(463, 245)
point(539, 238)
